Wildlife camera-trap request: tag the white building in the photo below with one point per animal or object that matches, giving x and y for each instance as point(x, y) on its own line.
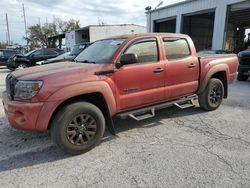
point(216, 24)
point(92, 33)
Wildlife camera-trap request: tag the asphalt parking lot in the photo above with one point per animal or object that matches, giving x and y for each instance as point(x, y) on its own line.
point(177, 148)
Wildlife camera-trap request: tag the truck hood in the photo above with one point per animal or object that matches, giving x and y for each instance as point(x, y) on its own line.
point(57, 70)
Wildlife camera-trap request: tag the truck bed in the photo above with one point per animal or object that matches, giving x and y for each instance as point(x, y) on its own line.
point(208, 61)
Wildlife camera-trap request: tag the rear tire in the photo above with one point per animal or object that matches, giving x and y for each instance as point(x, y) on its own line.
point(211, 98)
point(242, 77)
point(78, 127)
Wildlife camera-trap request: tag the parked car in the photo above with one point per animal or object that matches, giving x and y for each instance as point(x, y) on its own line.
point(5, 54)
point(68, 56)
point(244, 67)
point(124, 76)
point(209, 52)
point(29, 59)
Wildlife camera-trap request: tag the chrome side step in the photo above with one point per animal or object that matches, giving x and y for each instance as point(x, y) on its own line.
point(143, 116)
point(148, 112)
point(183, 106)
point(187, 104)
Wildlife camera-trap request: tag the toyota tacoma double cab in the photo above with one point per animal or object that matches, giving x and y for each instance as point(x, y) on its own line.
point(124, 76)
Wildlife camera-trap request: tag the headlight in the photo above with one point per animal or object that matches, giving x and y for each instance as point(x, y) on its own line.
point(27, 89)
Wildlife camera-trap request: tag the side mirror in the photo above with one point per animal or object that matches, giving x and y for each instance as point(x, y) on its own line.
point(128, 59)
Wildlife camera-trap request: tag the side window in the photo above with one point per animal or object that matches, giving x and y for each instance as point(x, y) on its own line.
point(176, 48)
point(146, 50)
point(49, 52)
point(38, 53)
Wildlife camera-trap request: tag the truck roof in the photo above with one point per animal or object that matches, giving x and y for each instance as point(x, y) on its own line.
point(131, 36)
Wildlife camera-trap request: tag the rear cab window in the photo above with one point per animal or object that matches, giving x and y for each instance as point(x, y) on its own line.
point(176, 48)
point(145, 49)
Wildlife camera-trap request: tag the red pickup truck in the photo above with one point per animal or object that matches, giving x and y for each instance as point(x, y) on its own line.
point(124, 76)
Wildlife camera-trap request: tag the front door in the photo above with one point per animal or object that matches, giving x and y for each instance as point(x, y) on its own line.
point(36, 56)
point(141, 83)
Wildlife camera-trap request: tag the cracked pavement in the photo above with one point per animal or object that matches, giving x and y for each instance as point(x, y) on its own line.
point(177, 148)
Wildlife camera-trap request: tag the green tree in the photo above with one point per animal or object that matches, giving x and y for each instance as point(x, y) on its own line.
point(66, 26)
point(37, 36)
point(3, 45)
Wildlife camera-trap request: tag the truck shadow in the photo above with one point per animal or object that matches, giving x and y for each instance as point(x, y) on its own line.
point(19, 149)
point(129, 123)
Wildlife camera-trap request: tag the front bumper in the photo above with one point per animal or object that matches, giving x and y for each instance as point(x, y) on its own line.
point(21, 115)
point(244, 69)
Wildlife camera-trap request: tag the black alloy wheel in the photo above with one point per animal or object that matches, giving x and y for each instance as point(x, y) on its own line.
point(81, 129)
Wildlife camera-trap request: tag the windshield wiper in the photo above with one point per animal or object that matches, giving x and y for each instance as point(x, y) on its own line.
point(85, 61)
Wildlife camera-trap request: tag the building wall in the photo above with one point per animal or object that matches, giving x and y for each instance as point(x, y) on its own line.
point(101, 32)
point(82, 36)
point(196, 7)
point(70, 40)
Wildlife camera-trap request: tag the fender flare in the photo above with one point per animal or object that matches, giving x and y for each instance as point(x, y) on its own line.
point(78, 89)
point(215, 69)
point(57, 98)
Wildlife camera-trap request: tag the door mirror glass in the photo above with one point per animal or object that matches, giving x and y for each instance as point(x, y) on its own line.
point(129, 58)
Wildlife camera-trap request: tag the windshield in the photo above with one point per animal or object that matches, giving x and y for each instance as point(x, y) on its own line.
point(30, 52)
point(100, 52)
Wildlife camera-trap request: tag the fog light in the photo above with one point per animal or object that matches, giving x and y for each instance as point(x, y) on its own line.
point(19, 118)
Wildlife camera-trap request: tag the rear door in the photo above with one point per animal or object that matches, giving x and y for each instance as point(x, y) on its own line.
point(141, 83)
point(182, 68)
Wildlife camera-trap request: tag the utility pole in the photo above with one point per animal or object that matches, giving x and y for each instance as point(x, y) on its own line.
point(6, 37)
point(8, 31)
point(25, 26)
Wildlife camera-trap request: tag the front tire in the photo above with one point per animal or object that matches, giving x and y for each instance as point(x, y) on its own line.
point(21, 66)
point(78, 127)
point(211, 98)
point(242, 77)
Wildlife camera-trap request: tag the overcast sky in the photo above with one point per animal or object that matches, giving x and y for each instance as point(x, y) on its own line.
point(88, 12)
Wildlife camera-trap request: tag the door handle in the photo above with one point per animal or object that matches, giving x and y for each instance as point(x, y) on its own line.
point(158, 70)
point(192, 65)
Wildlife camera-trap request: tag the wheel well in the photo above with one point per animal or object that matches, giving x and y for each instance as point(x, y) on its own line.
point(222, 76)
point(24, 62)
point(94, 98)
